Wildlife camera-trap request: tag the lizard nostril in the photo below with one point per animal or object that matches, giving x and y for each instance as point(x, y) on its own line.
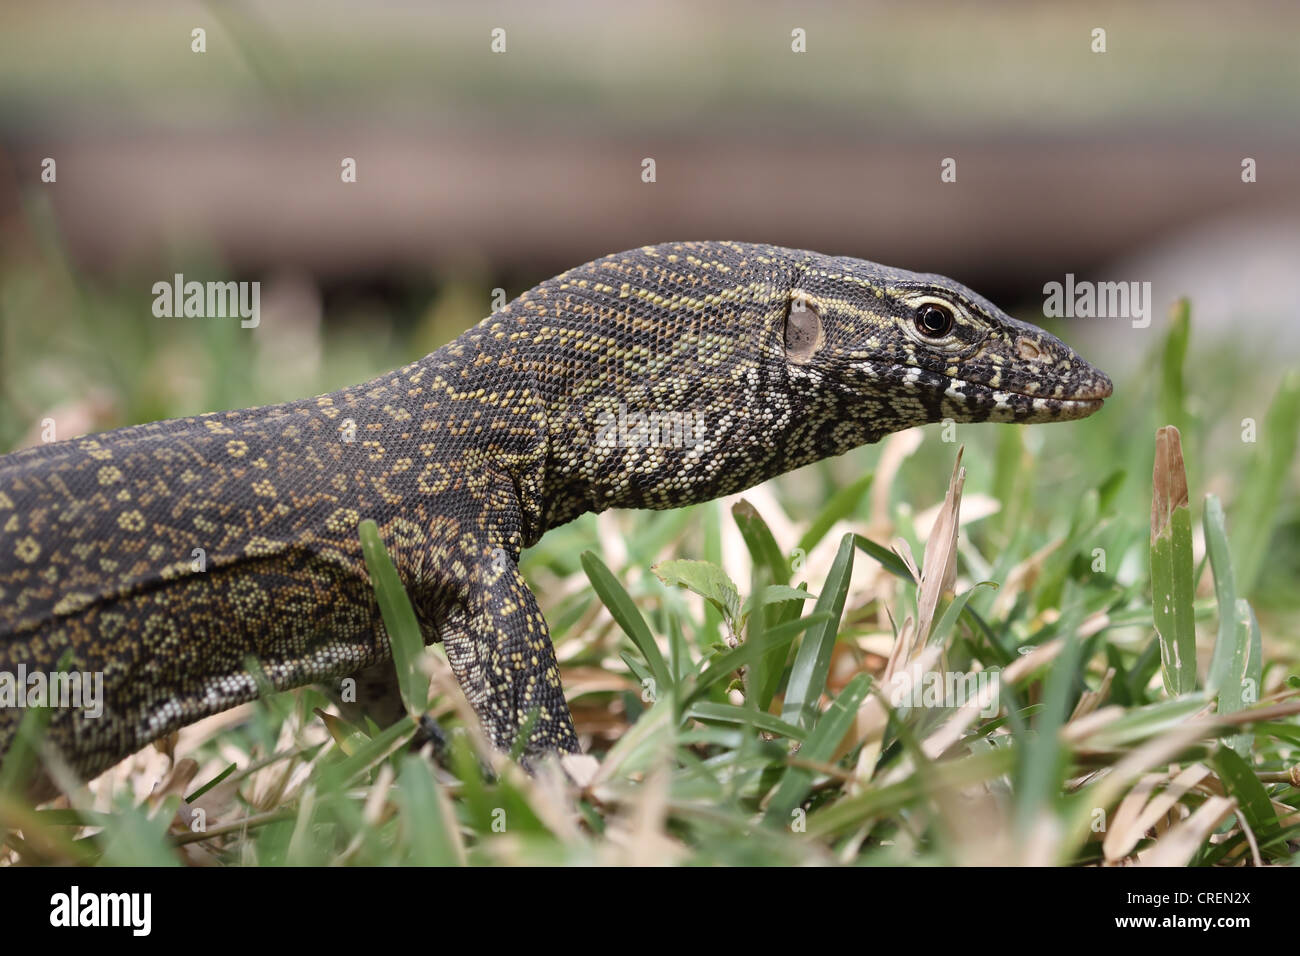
point(1028, 350)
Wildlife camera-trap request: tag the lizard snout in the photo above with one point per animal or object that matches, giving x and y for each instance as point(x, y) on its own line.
point(1075, 379)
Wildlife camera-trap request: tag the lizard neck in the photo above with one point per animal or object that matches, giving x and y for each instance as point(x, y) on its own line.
point(480, 408)
point(650, 397)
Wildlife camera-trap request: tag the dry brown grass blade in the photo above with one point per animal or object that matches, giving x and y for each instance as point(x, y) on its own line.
point(1092, 624)
point(1111, 785)
point(901, 650)
point(939, 572)
point(1258, 714)
point(1040, 656)
point(1083, 727)
point(550, 794)
point(872, 717)
point(39, 844)
point(1169, 480)
point(869, 724)
point(277, 781)
point(339, 729)
point(581, 769)
point(1179, 845)
point(638, 837)
point(974, 507)
point(1022, 576)
point(952, 729)
point(1286, 814)
point(895, 450)
point(375, 810)
point(904, 552)
point(445, 684)
point(1089, 700)
point(1250, 837)
point(1139, 811)
point(72, 790)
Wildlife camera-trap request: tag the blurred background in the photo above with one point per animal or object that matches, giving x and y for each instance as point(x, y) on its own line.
point(479, 170)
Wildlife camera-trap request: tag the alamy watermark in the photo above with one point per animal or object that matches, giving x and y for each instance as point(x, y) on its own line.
point(667, 429)
point(1099, 300)
point(75, 908)
point(208, 300)
point(948, 689)
point(66, 690)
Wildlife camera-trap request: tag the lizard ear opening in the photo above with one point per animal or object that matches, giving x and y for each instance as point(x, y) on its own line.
point(804, 334)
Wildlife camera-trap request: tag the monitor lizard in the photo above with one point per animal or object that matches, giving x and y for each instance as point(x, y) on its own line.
point(166, 555)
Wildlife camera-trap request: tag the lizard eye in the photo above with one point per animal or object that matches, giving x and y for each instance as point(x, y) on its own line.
point(933, 321)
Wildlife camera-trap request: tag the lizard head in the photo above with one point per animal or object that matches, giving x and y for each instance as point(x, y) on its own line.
point(911, 348)
point(673, 374)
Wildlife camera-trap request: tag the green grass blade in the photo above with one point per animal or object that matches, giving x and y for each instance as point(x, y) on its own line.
point(520, 744)
point(624, 611)
point(637, 667)
point(335, 775)
point(746, 716)
point(428, 826)
point(200, 791)
point(1258, 502)
point(1040, 772)
point(403, 629)
point(949, 620)
point(18, 764)
point(138, 836)
point(1012, 476)
point(1173, 612)
point(888, 560)
point(1240, 782)
point(768, 607)
point(1143, 723)
point(774, 593)
point(1240, 687)
point(819, 748)
point(725, 664)
point(762, 545)
point(853, 811)
point(679, 653)
point(1225, 592)
point(813, 659)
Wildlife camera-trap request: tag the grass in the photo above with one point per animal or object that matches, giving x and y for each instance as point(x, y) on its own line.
point(743, 670)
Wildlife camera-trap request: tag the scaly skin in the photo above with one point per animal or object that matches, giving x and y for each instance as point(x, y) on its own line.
point(772, 358)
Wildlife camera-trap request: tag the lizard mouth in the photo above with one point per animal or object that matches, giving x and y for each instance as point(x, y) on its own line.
point(1096, 391)
point(1067, 408)
point(1074, 395)
point(1025, 407)
point(1064, 385)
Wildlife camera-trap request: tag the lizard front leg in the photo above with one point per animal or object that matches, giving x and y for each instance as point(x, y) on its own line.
point(500, 651)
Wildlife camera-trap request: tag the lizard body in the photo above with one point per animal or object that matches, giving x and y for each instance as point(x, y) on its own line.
point(166, 555)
